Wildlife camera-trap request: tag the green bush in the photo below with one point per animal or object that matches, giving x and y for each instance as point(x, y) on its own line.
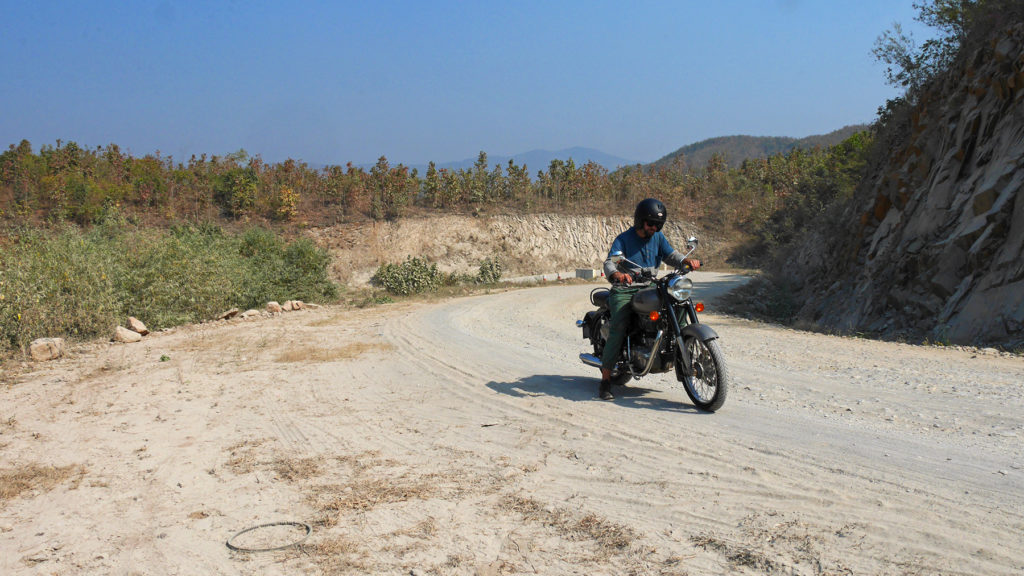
point(414, 276)
point(490, 271)
point(82, 284)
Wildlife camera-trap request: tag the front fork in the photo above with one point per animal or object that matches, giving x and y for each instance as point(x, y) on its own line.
point(684, 354)
point(692, 329)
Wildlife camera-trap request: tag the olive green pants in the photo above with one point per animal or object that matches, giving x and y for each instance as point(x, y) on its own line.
point(621, 314)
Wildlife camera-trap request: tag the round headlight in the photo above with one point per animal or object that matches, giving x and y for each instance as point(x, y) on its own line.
point(680, 288)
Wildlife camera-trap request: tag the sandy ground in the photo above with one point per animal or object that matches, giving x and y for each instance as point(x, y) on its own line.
point(463, 437)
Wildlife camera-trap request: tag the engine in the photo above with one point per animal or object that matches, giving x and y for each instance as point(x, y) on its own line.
point(642, 345)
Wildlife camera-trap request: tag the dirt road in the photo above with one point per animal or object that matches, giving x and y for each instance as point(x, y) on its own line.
point(463, 437)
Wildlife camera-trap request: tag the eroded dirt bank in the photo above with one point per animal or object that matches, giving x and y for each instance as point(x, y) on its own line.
point(525, 245)
point(463, 437)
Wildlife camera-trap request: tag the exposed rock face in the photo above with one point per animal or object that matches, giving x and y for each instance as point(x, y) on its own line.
point(531, 244)
point(938, 245)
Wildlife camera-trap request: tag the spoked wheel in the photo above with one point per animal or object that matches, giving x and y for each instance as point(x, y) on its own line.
point(709, 383)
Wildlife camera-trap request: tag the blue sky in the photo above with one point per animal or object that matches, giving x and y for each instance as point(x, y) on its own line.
point(334, 82)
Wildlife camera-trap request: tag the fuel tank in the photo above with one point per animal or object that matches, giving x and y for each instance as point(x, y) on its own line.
point(646, 300)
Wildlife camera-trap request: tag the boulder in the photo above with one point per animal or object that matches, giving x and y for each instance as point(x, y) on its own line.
point(43, 349)
point(229, 314)
point(137, 326)
point(125, 335)
point(273, 307)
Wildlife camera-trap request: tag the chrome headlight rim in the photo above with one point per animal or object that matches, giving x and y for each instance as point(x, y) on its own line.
point(680, 288)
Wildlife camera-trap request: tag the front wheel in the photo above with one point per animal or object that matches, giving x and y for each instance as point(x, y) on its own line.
point(709, 383)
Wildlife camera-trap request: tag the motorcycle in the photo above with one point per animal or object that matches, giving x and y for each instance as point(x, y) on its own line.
point(663, 334)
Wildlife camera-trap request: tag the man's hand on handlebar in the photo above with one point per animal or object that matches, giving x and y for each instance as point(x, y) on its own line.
point(621, 278)
point(691, 264)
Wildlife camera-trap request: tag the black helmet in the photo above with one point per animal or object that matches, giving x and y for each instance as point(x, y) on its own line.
point(650, 210)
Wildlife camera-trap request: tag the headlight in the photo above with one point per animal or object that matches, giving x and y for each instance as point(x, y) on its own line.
point(680, 288)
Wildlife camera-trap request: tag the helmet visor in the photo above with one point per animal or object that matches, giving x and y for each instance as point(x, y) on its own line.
point(653, 224)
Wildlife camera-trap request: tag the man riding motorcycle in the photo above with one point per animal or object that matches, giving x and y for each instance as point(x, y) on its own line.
point(645, 245)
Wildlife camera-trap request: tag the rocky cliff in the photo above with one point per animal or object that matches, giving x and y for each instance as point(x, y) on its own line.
point(936, 245)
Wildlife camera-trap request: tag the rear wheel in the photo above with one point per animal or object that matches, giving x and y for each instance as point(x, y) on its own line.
point(709, 383)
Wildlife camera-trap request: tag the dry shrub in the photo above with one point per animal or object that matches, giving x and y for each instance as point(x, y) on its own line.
point(35, 478)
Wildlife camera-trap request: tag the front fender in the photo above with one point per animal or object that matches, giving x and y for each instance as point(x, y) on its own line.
point(701, 332)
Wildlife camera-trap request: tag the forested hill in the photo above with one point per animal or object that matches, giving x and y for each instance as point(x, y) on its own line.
point(736, 149)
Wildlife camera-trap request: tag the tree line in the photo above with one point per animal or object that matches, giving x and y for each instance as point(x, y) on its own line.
point(763, 201)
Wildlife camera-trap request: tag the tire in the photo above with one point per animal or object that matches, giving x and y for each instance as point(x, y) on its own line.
point(709, 384)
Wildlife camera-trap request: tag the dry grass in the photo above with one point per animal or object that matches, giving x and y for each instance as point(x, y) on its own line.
point(737, 554)
point(296, 469)
point(609, 537)
point(338, 554)
point(366, 493)
point(35, 478)
point(347, 352)
point(242, 459)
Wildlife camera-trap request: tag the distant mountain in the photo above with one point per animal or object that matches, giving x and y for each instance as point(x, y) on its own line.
point(536, 160)
point(736, 149)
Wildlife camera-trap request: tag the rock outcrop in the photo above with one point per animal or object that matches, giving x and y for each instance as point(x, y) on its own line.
point(937, 248)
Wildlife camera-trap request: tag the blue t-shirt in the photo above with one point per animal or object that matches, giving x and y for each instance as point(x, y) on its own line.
point(647, 252)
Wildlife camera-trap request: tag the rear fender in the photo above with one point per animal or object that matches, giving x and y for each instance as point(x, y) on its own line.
point(590, 322)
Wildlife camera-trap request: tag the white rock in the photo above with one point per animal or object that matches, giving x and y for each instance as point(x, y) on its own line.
point(125, 335)
point(46, 349)
point(273, 307)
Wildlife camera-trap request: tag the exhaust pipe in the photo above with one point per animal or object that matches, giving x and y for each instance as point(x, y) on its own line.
point(590, 360)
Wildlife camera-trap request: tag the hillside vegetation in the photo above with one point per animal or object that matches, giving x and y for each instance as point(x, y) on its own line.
point(735, 150)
